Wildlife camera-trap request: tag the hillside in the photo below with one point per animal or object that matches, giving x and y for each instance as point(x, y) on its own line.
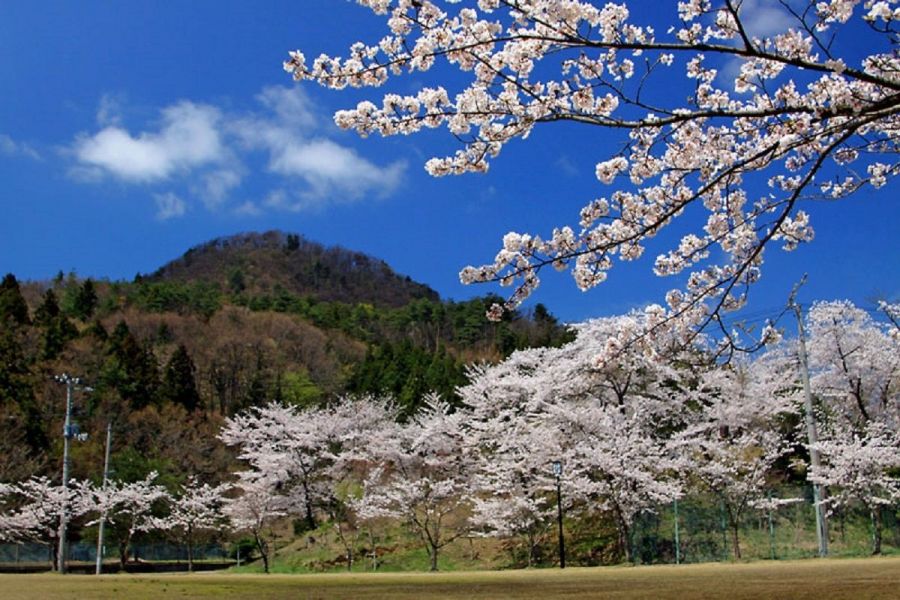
point(234, 323)
point(264, 263)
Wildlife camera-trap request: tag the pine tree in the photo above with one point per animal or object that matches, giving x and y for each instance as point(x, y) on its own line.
point(131, 369)
point(57, 328)
point(85, 300)
point(12, 304)
point(178, 385)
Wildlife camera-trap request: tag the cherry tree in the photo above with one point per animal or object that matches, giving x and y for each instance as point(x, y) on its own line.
point(733, 442)
point(355, 423)
point(422, 475)
point(32, 508)
point(855, 364)
point(862, 467)
point(309, 457)
point(513, 488)
point(196, 509)
point(606, 419)
point(130, 508)
point(746, 124)
point(258, 504)
point(287, 448)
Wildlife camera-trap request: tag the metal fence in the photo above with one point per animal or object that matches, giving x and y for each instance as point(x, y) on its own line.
point(87, 552)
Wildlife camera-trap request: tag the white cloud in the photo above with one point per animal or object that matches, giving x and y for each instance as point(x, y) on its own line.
point(291, 105)
point(10, 147)
point(168, 205)
point(761, 18)
point(109, 112)
point(248, 209)
point(209, 151)
point(564, 164)
point(330, 168)
point(188, 138)
point(216, 185)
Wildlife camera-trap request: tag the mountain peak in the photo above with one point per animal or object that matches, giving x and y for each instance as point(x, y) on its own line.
point(274, 261)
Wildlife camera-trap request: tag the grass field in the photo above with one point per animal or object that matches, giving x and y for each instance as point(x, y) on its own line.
point(856, 579)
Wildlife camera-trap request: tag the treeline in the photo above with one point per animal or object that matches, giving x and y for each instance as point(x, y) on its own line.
point(168, 360)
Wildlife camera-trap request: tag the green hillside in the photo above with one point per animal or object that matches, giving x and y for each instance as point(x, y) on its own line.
point(233, 323)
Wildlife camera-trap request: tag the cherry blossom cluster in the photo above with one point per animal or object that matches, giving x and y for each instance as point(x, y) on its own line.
point(767, 123)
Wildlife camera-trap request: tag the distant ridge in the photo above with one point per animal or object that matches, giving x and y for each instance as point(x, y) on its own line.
point(264, 263)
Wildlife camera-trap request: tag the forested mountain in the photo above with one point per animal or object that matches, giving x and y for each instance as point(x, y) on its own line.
point(255, 264)
point(235, 322)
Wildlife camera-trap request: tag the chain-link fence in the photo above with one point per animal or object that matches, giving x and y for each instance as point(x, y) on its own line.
point(44, 554)
point(703, 530)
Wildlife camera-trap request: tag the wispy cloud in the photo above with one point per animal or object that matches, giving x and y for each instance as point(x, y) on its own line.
point(298, 150)
point(168, 206)
point(10, 147)
point(208, 149)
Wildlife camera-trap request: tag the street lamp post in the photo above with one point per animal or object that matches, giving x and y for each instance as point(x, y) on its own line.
point(69, 431)
point(557, 470)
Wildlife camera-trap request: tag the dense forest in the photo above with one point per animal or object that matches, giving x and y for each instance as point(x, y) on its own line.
point(233, 323)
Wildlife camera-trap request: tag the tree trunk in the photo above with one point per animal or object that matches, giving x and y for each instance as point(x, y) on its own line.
point(123, 554)
point(625, 541)
point(349, 558)
point(190, 548)
point(877, 526)
point(433, 555)
point(735, 540)
point(263, 551)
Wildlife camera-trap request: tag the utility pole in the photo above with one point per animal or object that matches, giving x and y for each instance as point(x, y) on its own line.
point(812, 435)
point(99, 568)
point(69, 431)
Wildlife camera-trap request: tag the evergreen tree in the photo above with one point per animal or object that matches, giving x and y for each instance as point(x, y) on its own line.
point(179, 385)
point(85, 300)
point(57, 329)
point(16, 387)
point(12, 304)
point(48, 310)
point(131, 368)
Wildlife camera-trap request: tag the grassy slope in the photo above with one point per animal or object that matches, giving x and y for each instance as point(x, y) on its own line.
point(811, 579)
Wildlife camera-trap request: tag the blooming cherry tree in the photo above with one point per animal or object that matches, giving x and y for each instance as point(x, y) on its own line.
point(422, 476)
point(862, 467)
point(746, 125)
point(130, 508)
point(308, 457)
point(31, 508)
point(604, 418)
point(258, 504)
point(733, 442)
point(513, 488)
point(196, 509)
point(855, 362)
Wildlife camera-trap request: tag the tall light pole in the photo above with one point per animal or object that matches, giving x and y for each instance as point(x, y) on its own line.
point(812, 435)
point(99, 566)
point(557, 470)
point(69, 431)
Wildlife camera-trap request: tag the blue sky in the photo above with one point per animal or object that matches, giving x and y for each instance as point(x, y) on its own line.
point(130, 131)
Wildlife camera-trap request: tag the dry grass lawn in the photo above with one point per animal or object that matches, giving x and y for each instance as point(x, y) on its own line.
point(856, 579)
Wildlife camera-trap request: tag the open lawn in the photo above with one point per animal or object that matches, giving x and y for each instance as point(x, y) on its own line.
point(855, 579)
